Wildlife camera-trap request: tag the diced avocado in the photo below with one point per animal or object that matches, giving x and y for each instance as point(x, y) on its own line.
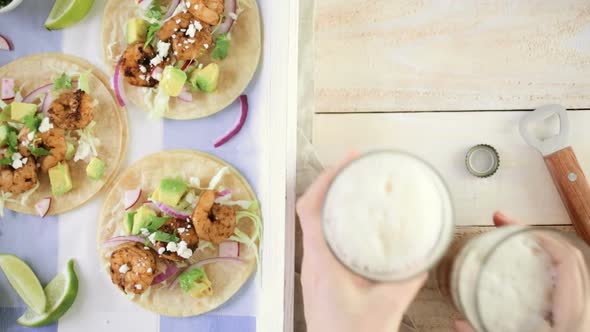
point(206, 79)
point(3, 134)
point(173, 80)
point(170, 191)
point(20, 110)
point(141, 219)
point(95, 169)
point(5, 114)
point(136, 29)
point(129, 221)
point(60, 179)
point(70, 150)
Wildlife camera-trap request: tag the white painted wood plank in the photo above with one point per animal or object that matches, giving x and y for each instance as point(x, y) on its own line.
point(408, 55)
point(522, 187)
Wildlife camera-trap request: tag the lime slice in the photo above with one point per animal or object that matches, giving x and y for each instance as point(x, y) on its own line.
point(24, 281)
point(67, 12)
point(61, 293)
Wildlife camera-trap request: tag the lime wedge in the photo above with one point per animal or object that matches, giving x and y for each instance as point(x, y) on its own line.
point(61, 293)
point(67, 12)
point(24, 281)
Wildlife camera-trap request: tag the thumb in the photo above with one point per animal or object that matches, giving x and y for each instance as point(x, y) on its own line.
point(403, 292)
point(462, 326)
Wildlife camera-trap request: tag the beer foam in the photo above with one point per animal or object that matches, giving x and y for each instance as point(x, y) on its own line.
point(386, 213)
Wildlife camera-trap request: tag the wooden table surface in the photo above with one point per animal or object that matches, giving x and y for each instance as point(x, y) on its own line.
point(436, 77)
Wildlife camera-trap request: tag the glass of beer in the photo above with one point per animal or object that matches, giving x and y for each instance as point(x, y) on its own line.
point(388, 216)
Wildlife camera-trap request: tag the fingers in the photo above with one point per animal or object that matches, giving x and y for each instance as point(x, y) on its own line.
point(310, 204)
point(404, 292)
point(462, 326)
point(500, 219)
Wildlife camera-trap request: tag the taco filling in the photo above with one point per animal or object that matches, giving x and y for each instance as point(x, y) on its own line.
point(175, 51)
point(165, 229)
point(43, 134)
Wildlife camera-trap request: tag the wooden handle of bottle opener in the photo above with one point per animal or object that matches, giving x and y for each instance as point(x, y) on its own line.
point(573, 188)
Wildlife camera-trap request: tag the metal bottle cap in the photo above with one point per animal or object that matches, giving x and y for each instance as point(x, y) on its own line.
point(482, 160)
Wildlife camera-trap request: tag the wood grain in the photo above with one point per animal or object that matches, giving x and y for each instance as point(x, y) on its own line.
point(522, 186)
point(573, 188)
point(408, 55)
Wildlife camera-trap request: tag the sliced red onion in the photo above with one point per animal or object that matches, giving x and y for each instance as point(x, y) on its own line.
point(46, 102)
point(5, 44)
point(42, 206)
point(171, 270)
point(156, 73)
point(185, 95)
point(229, 249)
point(223, 193)
point(7, 89)
point(186, 64)
point(117, 240)
point(238, 126)
point(171, 9)
point(170, 211)
point(118, 85)
point(42, 90)
point(230, 10)
point(130, 197)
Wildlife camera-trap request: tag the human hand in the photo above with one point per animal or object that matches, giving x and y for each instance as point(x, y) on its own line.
point(500, 220)
point(335, 299)
point(567, 260)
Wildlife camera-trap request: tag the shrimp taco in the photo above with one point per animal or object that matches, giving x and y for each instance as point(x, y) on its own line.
point(62, 134)
point(181, 59)
point(179, 232)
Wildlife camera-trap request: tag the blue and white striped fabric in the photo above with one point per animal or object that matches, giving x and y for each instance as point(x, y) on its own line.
point(46, 244)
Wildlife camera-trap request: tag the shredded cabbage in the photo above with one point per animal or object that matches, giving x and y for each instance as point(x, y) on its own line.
point(87, 143)
point(5, 197)
point(25, 196)
point(249, 241)
point(217, 177)
point(18, 96)
point(241, 203)
point(205, 245)
point(160, 105)
point(191, 198)
point(84, 81)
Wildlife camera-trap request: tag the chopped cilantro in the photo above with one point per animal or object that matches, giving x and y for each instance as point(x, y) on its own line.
point(12, 141)
point(155, 10)
point(6, 161)
point(151, 32)
point(33, 121)
point(154, 223)
point(62, 82)
point(38, 151)
point(221, 47)
point(188, 278)
point(165, 237)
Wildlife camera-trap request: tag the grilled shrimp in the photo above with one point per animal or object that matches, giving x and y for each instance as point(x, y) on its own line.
point(187, 43)
point(72, 110)
point(24, 142)
point(213, 222)
point(185, 234)
point(208, 11)
point(130, 267)
point(18, 181)
point(53, 140)
point(135, 65)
